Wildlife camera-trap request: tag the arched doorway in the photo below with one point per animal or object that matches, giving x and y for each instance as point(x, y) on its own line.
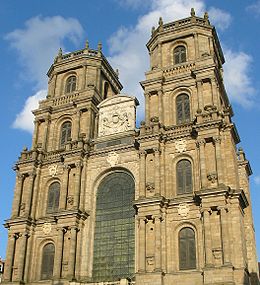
point(114, 241)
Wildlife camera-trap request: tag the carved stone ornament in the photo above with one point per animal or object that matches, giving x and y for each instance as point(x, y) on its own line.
point(180, 145)
point(183, 210)
point(70, 200)
point(53, 170)
point(150, 187)
point(46, 228)
point(217, 253)
point(212, 177)
point(150, 260)
point(117, 115)
point(113, 158)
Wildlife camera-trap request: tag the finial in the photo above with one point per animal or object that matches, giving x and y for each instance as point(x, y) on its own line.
point(25, 149)
point(160, 24)
point(153, 30)
point(60, 52)
point(206, 17)
point(86, 44)
point(99, 46)
point(192, 12)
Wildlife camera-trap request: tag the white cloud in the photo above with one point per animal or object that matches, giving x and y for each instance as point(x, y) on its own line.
point(127, 45)
point(255, 8)
point(37, 44)
point(24, 120)
point(237, 79)
point(219, 18)
point(257, 180)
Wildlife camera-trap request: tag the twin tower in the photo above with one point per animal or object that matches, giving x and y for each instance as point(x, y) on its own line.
point(99, 201)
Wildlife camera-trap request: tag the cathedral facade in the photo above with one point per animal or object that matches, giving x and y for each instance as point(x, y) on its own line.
point(99, 201)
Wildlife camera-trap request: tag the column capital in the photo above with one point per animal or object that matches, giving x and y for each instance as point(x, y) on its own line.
point(142, 153)
point(200, 142)
point(223, 209)
point(156, 150)
point(206, 210)
point(78, 164)
point(66, 167)
point(217, 139)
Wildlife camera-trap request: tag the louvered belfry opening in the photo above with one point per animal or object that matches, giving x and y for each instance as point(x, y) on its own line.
point(48, 253)
point(114, 240)
point(184, 177)
point(71, 84)
point(53, 197)
point(183, 109)
point(179, 54)
point(65, 133)
point(187, 249)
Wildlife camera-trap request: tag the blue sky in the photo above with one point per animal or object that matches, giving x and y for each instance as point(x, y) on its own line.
point(31, 32)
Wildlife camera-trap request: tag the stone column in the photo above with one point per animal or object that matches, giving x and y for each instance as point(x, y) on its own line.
point(28, 202)
point(35, 133)
point(214, 92)
point(77, 184)
point(46, 133)
point(35, 195)
point(142, 173)
point(200, 94)
point(157, 171)
point(76, 127)
point(207, 237)
point(160, 103)
point(96, 125)
point(158, 244)
point(225, 234)
point(83, 183)
point(72, 254)
point(147, 108)
point(203, 175)
point(59, 254)
point(217, 143)
point(18, 194)
point(10, 257)
point(65, 184)
point(83, 86)
point(142, 245)
point(22, 254)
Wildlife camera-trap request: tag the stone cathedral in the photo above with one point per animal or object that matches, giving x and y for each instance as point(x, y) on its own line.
point(99, 201)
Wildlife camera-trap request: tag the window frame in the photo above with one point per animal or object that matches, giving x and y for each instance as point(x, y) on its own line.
point(47, 274)
point(67, 135)
point(181, 55)
point(190, 248)
point(53, 198)
point(185, 176)
point(183, 109)
point(71, 84)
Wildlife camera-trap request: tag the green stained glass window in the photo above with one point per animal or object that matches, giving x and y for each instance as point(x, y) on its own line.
point(114, 240)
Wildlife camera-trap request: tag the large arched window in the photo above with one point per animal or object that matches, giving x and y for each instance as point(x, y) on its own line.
point(53, 198)
point(187, 249)
point(184, 177)
point(114, 228)
point(182, 109)
point(65, 135)
point(48, 253)
point(179, 54)
point(71, 84)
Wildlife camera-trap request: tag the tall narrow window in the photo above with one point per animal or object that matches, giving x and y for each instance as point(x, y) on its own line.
point(105, 90)
point(114, 240)
point(48, 253)
point(53, 198)
point(71, 84)
point(179, 54)
point(187, 249)
point(183, 109)
point(65, 133)
point(184, 177)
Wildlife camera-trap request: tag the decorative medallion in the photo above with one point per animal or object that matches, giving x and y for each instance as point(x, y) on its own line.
point(53, 170)
point(183, 210)
point(70, 200)
point(46, 228)
point(180, 145)
point(113, 158)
